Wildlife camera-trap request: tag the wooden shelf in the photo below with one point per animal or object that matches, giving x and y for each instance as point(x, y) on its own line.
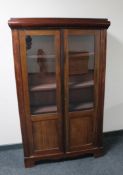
point(72, 85)
point(81, 106)
point(53, 108)
point(43, 109)
point(81, 84)
point(43, 87)
point(80, 54)
point(41, 56)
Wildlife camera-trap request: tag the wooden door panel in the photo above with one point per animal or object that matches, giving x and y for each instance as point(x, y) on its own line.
point(81, 132)
point(46, 135)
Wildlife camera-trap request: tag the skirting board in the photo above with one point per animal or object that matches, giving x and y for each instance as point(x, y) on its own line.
point(19, 145)
point(11, 146)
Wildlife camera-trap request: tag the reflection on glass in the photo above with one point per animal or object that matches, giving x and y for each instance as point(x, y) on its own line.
point(81, 72)
point(40, 52)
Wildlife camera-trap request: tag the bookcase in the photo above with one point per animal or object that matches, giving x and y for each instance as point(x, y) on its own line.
point(60, 77)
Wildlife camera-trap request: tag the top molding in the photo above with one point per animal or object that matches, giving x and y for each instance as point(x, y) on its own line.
point(92, 23)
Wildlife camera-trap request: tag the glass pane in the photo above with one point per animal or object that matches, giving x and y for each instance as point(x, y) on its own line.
point(81, 72)
point(41, 65)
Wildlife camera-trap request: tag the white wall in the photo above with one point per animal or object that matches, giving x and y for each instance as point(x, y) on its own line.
point(111, 9)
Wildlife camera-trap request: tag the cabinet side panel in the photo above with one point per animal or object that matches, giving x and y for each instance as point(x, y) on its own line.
point(19, 86)
point(101, 86)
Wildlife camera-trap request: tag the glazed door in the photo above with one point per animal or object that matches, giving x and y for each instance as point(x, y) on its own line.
point(40, 59)
point(81, 82)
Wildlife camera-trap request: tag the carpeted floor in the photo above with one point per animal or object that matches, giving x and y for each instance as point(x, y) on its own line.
point(11, 162)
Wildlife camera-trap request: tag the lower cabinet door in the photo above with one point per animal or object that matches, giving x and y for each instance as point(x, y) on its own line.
point(47, 135)
point(81, 131)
